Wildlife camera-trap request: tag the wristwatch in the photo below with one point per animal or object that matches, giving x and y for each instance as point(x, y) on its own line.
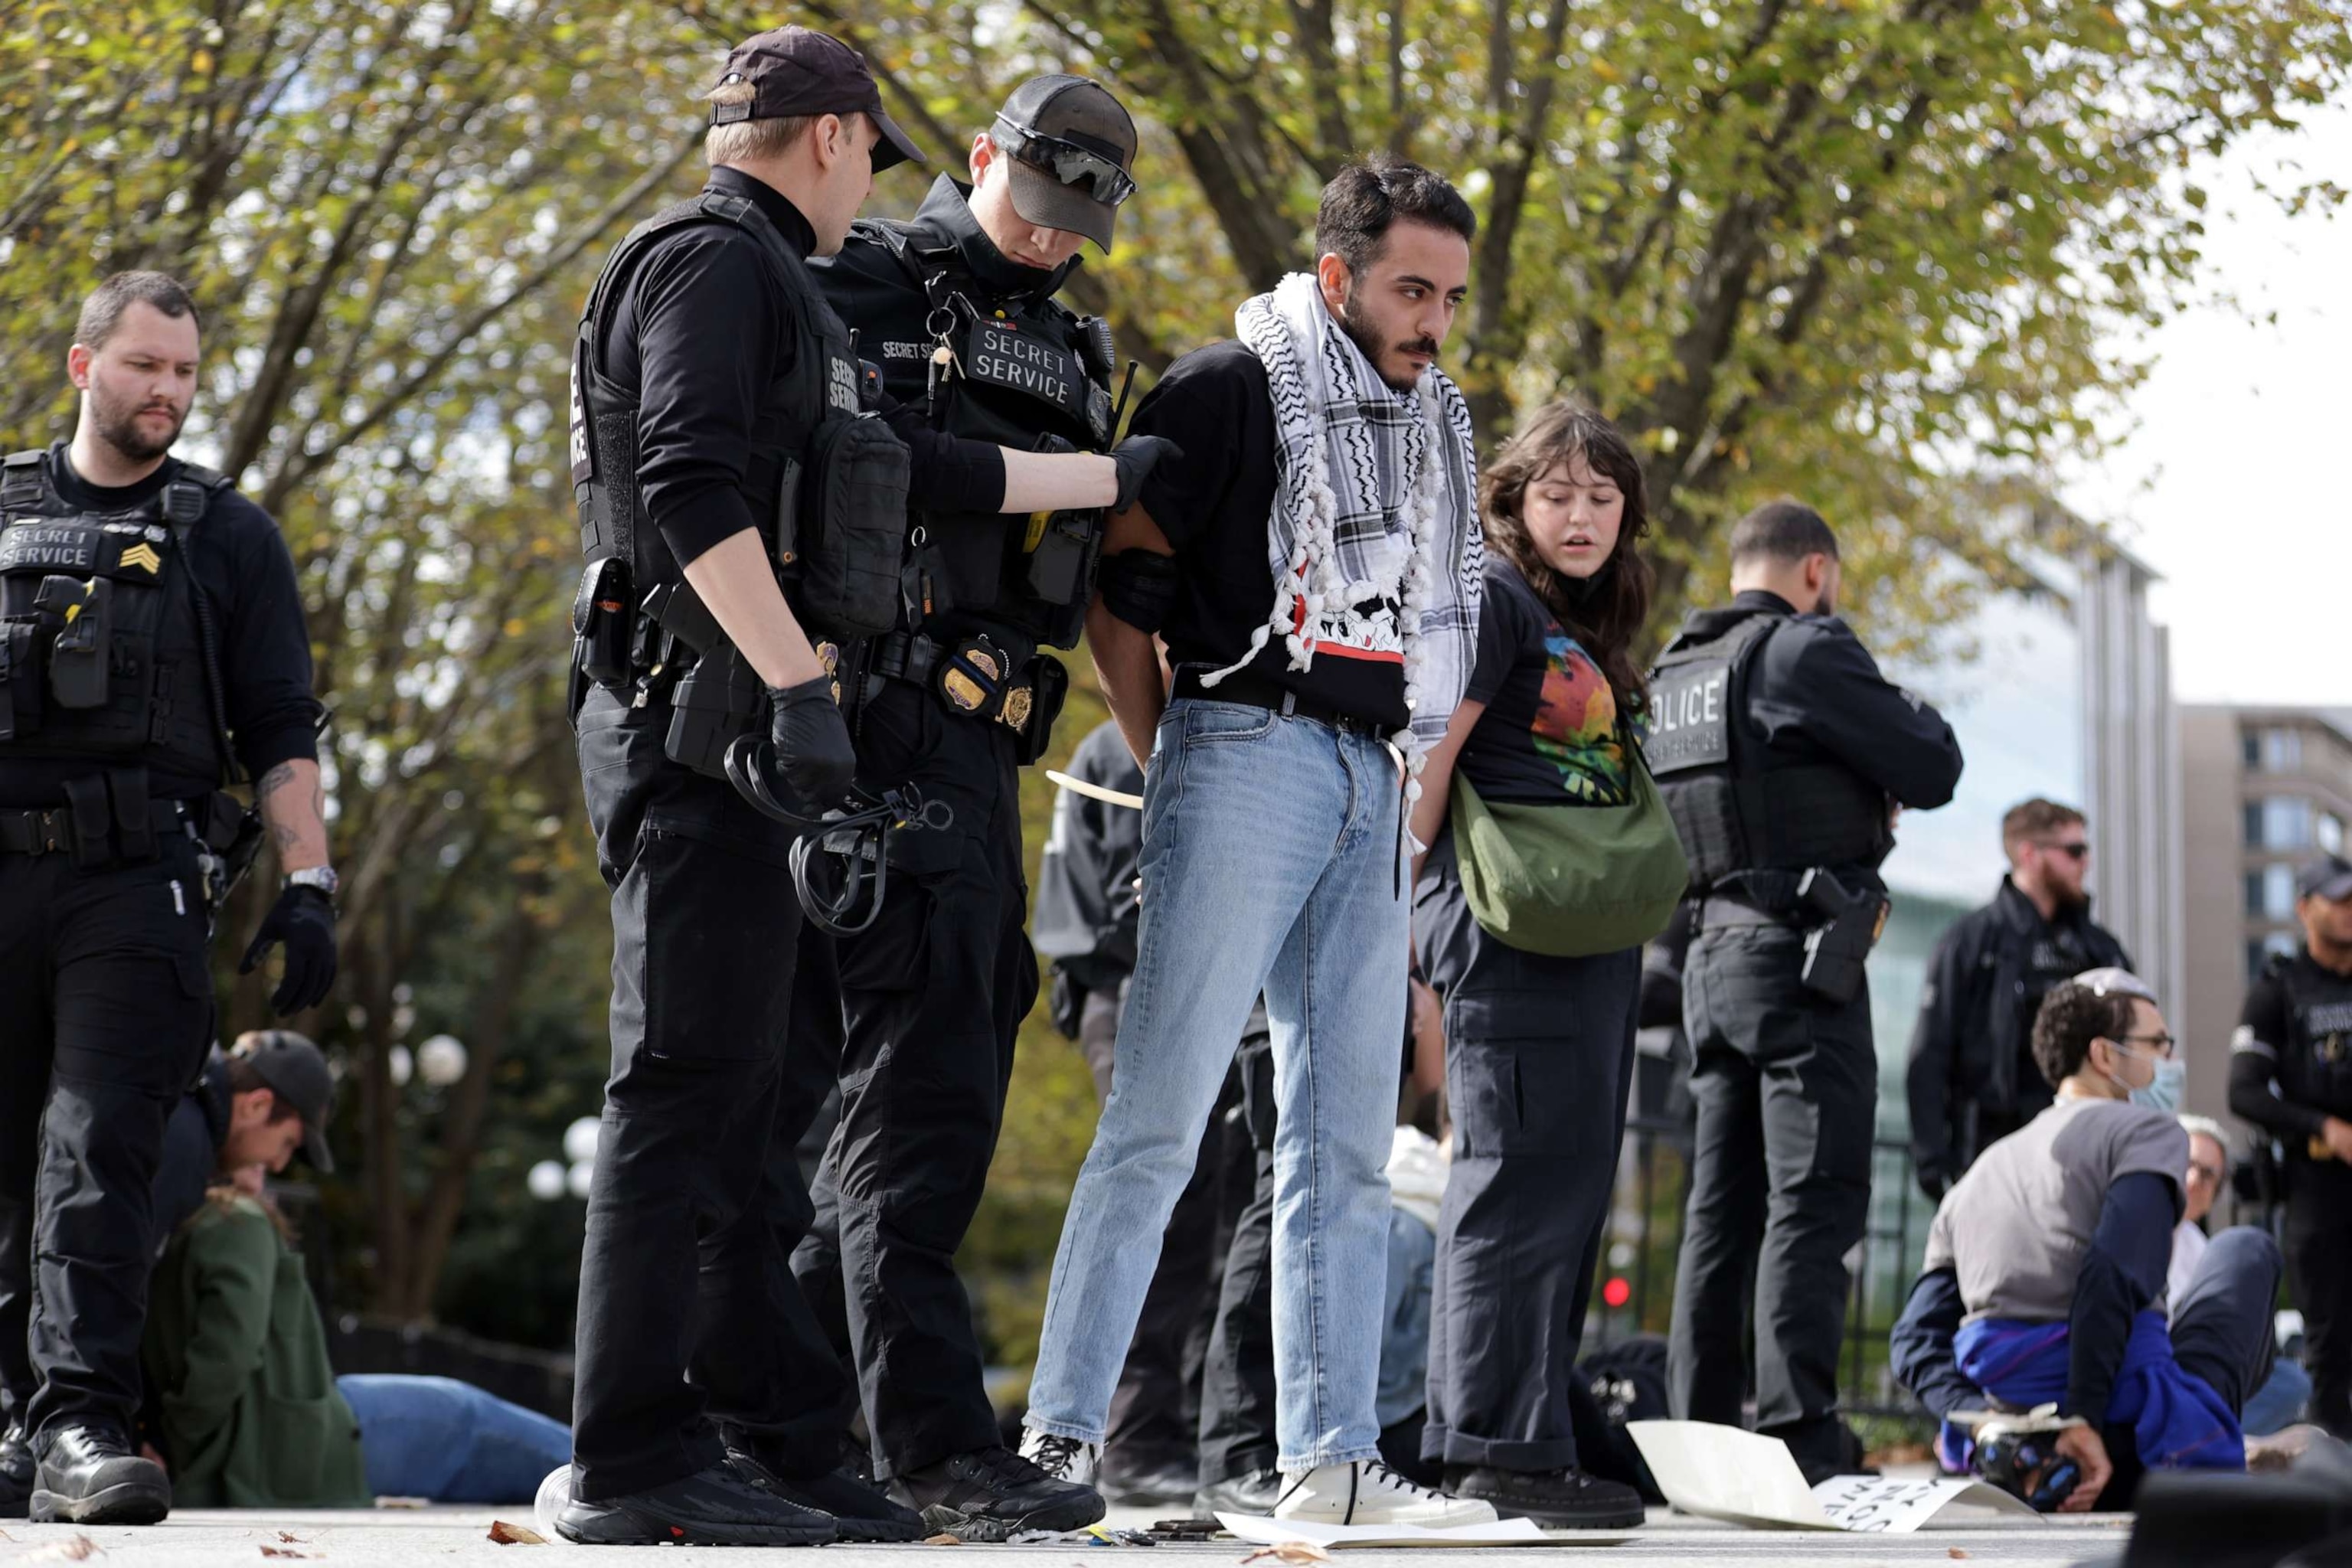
point(322, 877)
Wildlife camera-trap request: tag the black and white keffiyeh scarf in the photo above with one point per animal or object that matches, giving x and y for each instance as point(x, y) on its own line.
point(1374, 539)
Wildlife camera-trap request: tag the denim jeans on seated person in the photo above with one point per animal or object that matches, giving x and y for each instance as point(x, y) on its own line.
point(449, 1441)
point(1270, 863)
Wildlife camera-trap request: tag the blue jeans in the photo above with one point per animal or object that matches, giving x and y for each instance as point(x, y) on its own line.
point(439, 1439)
point(1270, 864)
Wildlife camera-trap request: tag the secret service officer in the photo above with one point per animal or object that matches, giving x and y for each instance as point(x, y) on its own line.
point(152, 648)
point(1782, 751)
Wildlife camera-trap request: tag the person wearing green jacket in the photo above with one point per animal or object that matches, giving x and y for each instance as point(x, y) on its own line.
point(253, 1415)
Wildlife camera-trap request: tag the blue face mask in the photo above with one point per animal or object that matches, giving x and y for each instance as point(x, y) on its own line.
point(2164, 1091)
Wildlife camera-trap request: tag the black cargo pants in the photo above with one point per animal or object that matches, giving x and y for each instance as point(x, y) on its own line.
point(1786, 1085)
point(1539, 1058)
point(931, 998)
point(2318, 1246)
point(105, 1015)
point(705, 927)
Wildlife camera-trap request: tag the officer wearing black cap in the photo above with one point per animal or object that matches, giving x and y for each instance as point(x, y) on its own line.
point(152, 648)
point(1783, 755)
point(958, 308)
point(733, 489)
point(2291, 1076)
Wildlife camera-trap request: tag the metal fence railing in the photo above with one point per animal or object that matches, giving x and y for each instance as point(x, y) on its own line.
point(1635, 1290)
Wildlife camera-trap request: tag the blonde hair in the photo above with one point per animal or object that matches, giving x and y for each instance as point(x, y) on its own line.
point(748, 141)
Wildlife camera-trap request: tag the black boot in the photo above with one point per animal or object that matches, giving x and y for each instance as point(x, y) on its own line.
point(715, 1506)
point(859, 1512)
point(87, 1475)
point(16, 1466)
point(1556, 1500)
point(994, 1494)
point(1254, 1493)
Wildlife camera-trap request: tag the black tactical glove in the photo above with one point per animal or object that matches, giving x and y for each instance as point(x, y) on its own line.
point(304, 920)
point(811, 743)
point(1136, 457)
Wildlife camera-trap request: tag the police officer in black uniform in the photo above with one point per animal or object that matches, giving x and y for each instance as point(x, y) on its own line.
point(2290, 1076)
point(152, 648)
point(1971, 1079)
point(1783, 754)
point(733, 489)
point(958, 308)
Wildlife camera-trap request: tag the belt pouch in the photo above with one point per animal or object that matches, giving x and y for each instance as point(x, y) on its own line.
point(1049, 685)
point(86, 798)
point(134, 825)
point(715, 703)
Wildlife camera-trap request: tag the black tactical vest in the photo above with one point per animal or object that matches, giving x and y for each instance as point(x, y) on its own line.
point(1023, 372)
point(820, 386)
point(2315, 1069)
point(1733, 812)
point(103, 657)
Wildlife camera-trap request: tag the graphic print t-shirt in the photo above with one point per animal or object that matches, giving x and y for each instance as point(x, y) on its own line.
point(1549, 735)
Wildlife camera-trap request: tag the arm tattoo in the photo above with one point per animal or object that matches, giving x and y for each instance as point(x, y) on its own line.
point(273, 780)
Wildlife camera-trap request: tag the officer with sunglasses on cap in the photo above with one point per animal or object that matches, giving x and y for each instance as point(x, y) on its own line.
point(956, 308)
point(1972, 1080)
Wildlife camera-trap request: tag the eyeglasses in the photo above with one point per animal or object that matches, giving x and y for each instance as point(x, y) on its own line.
point(1071, 164)
point(2162, 1042)
point(2077, 850)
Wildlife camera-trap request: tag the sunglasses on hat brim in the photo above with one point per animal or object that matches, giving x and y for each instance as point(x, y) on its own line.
point(1097, 174)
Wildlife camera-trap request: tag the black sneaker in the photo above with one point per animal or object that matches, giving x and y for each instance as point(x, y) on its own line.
point(994, 1494)
point(1556, 1500)
point(16, 1467)
point(713, 1507)
point(859, 1512)
point(87, 1475)
point(1254, 1493)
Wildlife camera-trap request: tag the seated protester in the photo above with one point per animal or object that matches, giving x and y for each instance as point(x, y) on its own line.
point(2282, 1401)
point(2044, 1278)
point(252, 1416)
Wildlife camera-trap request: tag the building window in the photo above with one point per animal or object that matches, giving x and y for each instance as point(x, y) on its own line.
point(2250, 748)
point(2253, 825)
point(2278, 892)
point(2285, 823)
point(2254, 896)
point(2282, 751)
point(2330, 833)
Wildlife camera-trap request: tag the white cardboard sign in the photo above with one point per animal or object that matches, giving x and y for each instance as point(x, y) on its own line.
point(1747, 1478)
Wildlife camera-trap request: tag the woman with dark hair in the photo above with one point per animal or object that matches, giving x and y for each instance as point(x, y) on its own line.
point(1540, 1046)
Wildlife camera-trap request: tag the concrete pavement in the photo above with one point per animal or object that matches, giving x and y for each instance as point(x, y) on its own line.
point(460, 1537)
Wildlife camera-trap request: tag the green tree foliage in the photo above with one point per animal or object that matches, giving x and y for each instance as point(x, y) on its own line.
point(1867, 250)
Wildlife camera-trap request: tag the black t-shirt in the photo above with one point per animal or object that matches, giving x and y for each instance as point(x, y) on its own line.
point(246, 574)
point(1549, 734)
point(1215, 506)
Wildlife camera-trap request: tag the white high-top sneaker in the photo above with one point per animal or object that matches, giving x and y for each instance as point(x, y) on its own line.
point(1369, 1492)
point(1064, 1458)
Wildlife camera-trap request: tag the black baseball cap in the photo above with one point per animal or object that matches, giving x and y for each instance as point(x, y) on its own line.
point(1070, 144)
point(2330, 878)
point(296, 1072)
point(798, 70)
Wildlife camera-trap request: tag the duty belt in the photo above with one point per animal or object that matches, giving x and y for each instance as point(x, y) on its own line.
point(929, 662)
point(59, 830)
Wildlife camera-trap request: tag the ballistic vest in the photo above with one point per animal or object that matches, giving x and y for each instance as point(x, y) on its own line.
point(104, 656)
point(820, 386)
point(1733, 808)
point(2316, 1068)
point(1024, 372)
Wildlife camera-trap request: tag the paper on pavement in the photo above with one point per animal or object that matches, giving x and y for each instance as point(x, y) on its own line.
point(1745, 1477)
point(1339, 1537)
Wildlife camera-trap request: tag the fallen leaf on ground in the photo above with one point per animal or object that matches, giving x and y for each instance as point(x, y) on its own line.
point(291, 1538)
point(943, 1539)
point(507, 1534)
point(404, 1502)
point(1954, 1551)
point(1291, 1551)
point(282, 1551)
point(73, 1549)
